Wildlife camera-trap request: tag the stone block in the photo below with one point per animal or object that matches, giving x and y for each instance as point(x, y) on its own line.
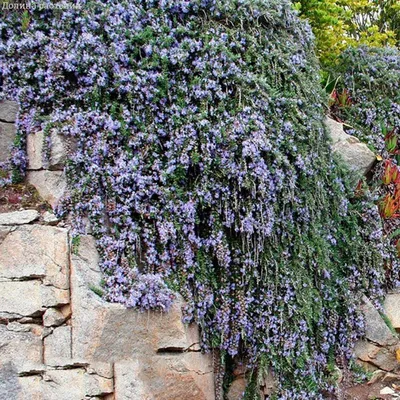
point(128, 384)
point(4, 231)
point(34, 328)
point(60, 146)
point(96, 385)
point(237, 389)
point(336, 131)
point(356, 155)
point(36, 251)
point(392, 309)
point(22, 349)
point(57, 347)
point(381, 357)
point(34, 148)
point(51, 185)
point(54, 297)
point(101, 368)
point(18, 327)
point(376, 329)
point(183, 376)
point(19, 217)
point(66, 384)
point(53, 317)
point(9, 382)
point(104, 331)
point(54, 385)
point(7, 137)
point(8, 111)
point(50, 219)
point(21, 298)
point(30, 388)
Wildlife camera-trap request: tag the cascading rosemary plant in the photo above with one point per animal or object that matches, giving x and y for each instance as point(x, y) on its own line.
point(204, 166)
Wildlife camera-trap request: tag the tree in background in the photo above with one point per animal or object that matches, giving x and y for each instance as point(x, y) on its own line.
point(373, 22)
point(327, 19)
point(338, 24)
point(391, 16)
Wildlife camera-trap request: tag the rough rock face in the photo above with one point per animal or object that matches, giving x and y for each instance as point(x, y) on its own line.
point(48, 178)
point(21, 347)
point(376, 330)
point(356, 155)
point(61, 342)
point(7, 136)
point(8, 111)
point(379, 357)
point(379, 348)
point(59, 148)
point(35, 251)
point(51, 185)
point(8, 115)
point(19, 217)
point(167, 377)
point(237, 388)
point(392, 309)
point(20, 298)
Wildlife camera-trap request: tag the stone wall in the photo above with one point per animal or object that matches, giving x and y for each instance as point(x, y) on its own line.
point(58, 338)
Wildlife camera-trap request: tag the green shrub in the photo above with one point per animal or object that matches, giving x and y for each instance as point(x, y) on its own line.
point(369, 91)
point(338, 24)
point(371, 78)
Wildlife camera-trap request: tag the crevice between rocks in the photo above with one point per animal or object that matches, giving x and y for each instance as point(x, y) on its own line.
point(170, 350)
point(33, 372)
point(177, 350)
point(69, 264)
point(33, 277)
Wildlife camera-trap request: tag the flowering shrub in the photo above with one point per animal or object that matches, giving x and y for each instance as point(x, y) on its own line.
point(204, 167)
point(371, 77)
point(369, 104)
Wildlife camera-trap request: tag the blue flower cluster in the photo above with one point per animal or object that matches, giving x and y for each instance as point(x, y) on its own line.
point(372, 78)
point(203, 165)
